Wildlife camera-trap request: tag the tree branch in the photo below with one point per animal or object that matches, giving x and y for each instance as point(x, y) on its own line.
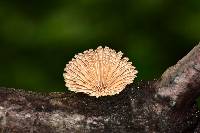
point(181, 82)
point(166, 105)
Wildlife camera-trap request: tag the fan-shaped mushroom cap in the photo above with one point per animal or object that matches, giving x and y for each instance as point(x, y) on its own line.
point(99, 72)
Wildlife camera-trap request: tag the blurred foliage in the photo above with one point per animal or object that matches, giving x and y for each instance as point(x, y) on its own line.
point(37, 38)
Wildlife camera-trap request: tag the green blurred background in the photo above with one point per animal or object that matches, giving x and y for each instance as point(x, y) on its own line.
point(37, 38)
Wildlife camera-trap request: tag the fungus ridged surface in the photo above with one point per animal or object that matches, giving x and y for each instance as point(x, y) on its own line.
point(99, 72)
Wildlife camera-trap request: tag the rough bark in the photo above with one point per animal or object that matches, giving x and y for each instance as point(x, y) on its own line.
point(166, 105)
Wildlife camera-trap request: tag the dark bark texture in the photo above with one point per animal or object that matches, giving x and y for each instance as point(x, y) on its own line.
point(166, 105)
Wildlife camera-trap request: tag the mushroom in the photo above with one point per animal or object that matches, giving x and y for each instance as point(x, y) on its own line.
point(99, 72)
